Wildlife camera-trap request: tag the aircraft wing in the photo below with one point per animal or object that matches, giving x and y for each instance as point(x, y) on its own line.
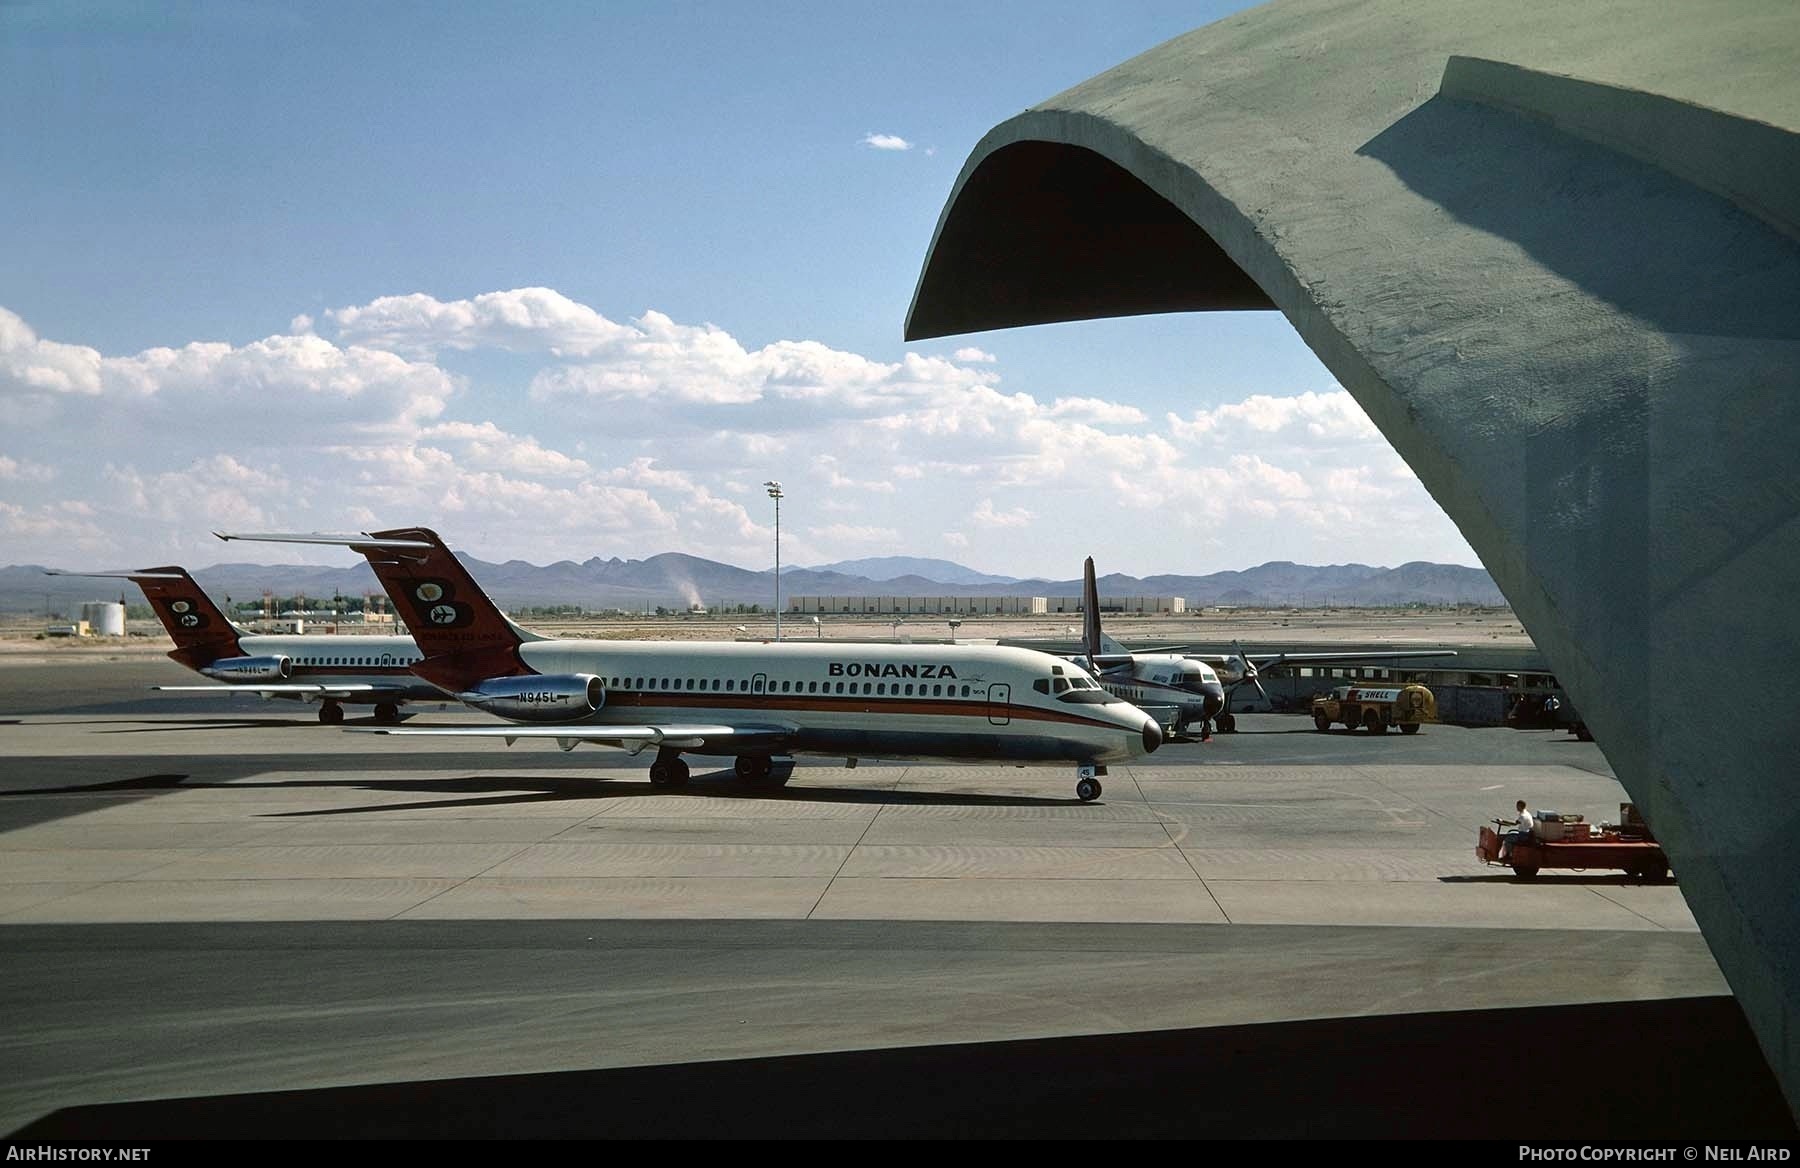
point(356, 689)
point(678, 735)
point(1265, 660)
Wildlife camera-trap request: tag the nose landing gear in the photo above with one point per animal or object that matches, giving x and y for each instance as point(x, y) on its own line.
point(1087, 782)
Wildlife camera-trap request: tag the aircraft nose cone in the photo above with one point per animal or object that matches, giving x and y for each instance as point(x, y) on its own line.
point(1152, 736)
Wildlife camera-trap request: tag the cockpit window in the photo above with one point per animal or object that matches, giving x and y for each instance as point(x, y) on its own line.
point(1089, 695)
point(1062, 684)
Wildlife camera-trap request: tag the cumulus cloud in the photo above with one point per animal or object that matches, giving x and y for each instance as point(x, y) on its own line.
point(986, 516)
point(1090, 409)
point(1273, 479)
point(283, 379)
point(666, 367)
point(407, 483)
point(663, 361)
point(1308, 416)
point(523, 320)
point(486, 446)
point(886, 142)
point(652, 435)
point(828, 467)
point(24, 470)
point(211, 491)
point(188, 400)
point(65, 528)
point(30, 365)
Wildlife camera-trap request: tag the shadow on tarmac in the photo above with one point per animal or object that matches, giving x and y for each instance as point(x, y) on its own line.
point(521, 789)
point(165, 727)
point(1567, 876)
point(1670, 1069)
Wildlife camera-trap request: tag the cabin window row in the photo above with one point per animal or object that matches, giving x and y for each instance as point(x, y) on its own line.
point(742, 685)
point(353, 661)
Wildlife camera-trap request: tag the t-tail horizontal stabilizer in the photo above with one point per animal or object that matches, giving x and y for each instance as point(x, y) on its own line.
point(464, 636)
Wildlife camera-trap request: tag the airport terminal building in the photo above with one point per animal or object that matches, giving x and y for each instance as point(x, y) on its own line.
point(976, 605)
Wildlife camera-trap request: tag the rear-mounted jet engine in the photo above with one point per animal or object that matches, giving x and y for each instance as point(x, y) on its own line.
point(251, 669)
point(539, 698)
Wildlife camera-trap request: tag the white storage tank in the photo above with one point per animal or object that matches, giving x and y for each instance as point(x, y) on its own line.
point(105, 617)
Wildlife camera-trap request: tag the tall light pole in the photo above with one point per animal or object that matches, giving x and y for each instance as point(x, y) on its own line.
point(775, 494)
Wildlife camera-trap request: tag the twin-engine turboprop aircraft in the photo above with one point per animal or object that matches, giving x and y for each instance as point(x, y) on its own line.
point(1199, 685)
point(1238, 669)
point(1152, 678)
point(331, 670)
point(749, 701)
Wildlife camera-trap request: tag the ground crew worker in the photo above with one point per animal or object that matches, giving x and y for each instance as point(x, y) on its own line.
point(1523, 827)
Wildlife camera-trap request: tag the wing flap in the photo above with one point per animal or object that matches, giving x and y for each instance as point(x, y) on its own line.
point(1263, 660)
point(288, 689)
point(674, 735)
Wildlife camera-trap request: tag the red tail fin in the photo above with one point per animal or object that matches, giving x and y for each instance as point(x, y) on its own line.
point(464, 636)
point(201, 633)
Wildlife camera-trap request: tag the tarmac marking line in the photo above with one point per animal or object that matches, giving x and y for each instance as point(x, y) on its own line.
point(1176, 844)
point(528, 844)
point(851, 850)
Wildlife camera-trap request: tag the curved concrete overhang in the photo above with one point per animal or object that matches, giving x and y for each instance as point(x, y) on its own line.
point(1551, 250)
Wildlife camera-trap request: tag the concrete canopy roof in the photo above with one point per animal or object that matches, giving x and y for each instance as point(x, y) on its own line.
point(1552, 250)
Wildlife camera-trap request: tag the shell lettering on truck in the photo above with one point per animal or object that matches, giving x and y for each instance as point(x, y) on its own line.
point(1375, 709)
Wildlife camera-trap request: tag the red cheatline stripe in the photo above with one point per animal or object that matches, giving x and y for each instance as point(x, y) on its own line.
point(775, 704)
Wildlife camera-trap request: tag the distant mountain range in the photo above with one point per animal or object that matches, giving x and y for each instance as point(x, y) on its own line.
point(894, 567)
point(676, 581)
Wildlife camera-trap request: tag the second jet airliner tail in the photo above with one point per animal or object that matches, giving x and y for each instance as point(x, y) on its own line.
point(464, 636)
point(202, 634)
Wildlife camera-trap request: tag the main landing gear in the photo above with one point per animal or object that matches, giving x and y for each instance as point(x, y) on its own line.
point(669, 769)
point(331, 713)
point(760, 768)
point(387, 713)
point(1087, 782)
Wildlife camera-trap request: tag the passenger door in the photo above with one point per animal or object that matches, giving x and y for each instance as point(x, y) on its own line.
point(999, 714)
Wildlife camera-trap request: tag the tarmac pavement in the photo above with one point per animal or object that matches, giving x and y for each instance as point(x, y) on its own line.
point(197, 901)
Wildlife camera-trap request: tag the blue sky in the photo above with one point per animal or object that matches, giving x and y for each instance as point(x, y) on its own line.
point(204, 179)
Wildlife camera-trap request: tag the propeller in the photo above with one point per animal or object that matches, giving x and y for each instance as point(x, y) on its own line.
point(1248, 672)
